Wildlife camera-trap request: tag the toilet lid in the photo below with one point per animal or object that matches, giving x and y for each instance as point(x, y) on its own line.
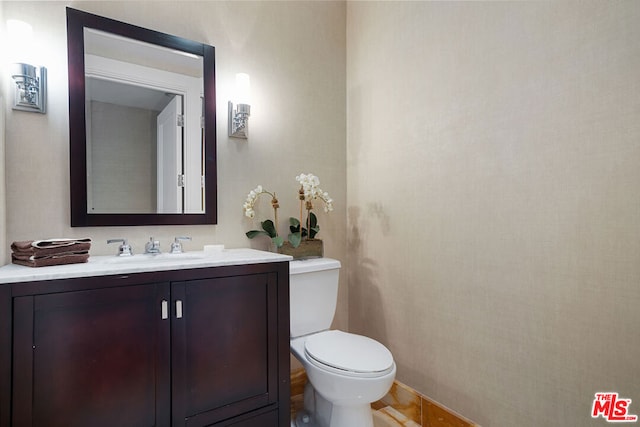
point(349, 352)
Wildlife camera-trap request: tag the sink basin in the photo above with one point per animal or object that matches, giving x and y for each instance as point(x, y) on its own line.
point(149, 258)
point(169, 256)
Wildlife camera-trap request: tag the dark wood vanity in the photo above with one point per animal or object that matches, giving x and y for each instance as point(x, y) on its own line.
point(185, 347)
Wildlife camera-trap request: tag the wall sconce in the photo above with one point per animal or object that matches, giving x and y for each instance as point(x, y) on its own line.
point(239, 117)
point(30, 92)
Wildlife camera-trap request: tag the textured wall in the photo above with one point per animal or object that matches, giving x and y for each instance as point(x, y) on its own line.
point(123, 159)
point(4, 246)
point(494, 207)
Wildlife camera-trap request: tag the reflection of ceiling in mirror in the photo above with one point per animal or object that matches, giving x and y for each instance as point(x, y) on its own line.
point(134, 51)
point(120, 93)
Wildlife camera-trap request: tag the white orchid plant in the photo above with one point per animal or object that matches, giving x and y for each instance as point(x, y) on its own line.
point(309, 192)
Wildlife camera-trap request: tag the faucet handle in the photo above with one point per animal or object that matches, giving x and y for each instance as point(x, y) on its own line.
point(152, 246)
point(124, 249)
point(176, 246)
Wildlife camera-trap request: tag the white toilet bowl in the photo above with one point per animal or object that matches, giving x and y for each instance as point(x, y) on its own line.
point(347, 372)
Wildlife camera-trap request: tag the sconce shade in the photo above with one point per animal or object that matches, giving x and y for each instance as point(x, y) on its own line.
point(19, 46)
point(243, 88)
point(30, 87)
point(19, 30)
point(239, 117)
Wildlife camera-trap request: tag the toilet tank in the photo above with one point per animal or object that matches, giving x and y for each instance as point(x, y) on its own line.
point(313, 291)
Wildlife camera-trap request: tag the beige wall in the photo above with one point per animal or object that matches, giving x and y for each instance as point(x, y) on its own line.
point(122, 136)
point(295, 55)
point(3, 211)
point(494, 201)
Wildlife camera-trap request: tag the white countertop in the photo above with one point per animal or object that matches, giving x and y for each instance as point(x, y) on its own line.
point(107, 265)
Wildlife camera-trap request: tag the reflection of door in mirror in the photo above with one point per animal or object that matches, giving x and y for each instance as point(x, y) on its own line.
point(170, 178)
point(139, 160)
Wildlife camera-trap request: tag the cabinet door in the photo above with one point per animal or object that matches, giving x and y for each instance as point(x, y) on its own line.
point(92, 358)
point(224, 347)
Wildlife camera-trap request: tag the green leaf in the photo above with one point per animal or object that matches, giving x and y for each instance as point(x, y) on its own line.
point(313, 220)
point(294, 225)
point(278, 241)
point(314, 228)
point(269, 228)
point(295, 239)
point(253, 233)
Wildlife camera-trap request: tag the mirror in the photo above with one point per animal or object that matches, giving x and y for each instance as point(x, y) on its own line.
point(141, 125)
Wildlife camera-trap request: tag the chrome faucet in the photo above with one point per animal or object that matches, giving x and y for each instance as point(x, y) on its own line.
point(176, 246)
point(152, 246)
point(124, 249)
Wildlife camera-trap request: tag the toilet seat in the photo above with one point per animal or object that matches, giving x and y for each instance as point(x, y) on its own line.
point(348, 354)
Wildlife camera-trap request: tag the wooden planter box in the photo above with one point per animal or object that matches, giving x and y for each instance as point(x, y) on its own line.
point(307, 249)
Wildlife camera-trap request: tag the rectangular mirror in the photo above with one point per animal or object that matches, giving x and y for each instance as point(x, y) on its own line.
point(142, 125)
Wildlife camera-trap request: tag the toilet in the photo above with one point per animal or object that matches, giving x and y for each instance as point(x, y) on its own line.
point(346, 372)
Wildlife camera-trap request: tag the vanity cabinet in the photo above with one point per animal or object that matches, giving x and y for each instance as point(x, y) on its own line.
point(195, 347)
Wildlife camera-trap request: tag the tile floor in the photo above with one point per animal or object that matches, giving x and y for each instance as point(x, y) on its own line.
point(389, 417)
point(384, 417)
point(401, 407)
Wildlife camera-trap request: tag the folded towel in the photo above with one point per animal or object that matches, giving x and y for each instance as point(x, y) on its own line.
point(40, 253)
point(51, 246)
point(28, 257)
point(45, 244)
point(49, 260)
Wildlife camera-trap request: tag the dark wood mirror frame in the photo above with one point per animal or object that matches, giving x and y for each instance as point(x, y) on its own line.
point(76, 22)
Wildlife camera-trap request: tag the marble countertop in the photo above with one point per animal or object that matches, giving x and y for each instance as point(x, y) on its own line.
point(107, 265)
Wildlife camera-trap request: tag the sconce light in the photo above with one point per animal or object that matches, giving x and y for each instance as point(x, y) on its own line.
point(239, 117)
point(30, 92)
